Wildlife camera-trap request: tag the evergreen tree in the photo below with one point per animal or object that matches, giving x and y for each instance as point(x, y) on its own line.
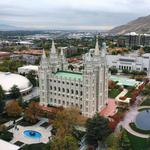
point(32, 77)
point(97, 130)
point(2, 96)
point(124, 141)
point(15, 92)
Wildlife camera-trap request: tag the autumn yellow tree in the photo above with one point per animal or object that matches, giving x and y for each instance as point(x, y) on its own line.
point(13, 109)
point(32, 112)
point(68, 142)
point(63, 127)
point(65, 121)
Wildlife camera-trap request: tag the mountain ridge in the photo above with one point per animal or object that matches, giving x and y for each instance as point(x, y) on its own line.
point(5, 27)
point(139, 25)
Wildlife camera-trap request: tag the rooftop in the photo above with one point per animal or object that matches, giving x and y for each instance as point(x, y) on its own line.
point(124, 81)
point(7, 146)
point(68, 75)
point(30, 67)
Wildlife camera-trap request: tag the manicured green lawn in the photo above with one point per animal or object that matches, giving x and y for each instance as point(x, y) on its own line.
point(146, 102)
point(113, 93)
point(128, 94)
point(39, 146)
point(139, 143)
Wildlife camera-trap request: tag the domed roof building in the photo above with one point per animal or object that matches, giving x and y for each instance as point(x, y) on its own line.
point(8, 80)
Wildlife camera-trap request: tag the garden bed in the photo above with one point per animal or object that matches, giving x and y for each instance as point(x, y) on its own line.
point(112, 93)
point(25, 123)
point(39, 146)
point(146, 102)
point(6, 135)
point(45, 124)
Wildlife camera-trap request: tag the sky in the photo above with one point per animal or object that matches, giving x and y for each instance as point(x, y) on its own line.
point(71, 14)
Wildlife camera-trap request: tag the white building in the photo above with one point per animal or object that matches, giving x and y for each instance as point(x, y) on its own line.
point(8, 80)
point(8, 146)
point(27, 69)
point(138, 63)
point(87, 91)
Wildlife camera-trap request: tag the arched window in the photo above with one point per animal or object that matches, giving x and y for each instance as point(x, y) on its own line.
point(72, 91)
point(59, 89)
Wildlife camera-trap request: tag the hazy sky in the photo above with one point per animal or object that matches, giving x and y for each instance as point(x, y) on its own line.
point(71, 14)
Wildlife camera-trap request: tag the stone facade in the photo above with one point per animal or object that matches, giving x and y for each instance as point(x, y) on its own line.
point(87, 90)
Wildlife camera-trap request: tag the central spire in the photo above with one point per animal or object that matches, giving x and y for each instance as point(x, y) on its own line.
point(43, 55)
point(96, 47)
point(53, 48)
point(62, 52)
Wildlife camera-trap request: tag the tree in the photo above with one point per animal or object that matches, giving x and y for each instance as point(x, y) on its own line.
point(113, 70)
point(2, 96)
point(97, 130)
point(32, 112)
point(2, 93)
point(126, 71)
point(124, 141)
point(32, 77)
point(15, 92)
point(65, 121)
point(146, 90)
point(112, 142)
point(66, 143)
point(13, 109)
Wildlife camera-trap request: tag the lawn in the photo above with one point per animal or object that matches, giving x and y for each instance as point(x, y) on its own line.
point(146, 102)
point(6, 135)
point(139, 143)
point(39, 146)
point(129, 94)
point(114, 92)
point(135, 128)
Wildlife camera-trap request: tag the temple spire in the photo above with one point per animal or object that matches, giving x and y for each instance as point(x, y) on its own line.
point(62, 52)
point(96, 47)
point(53, 48)
point(43, 55)
point(104, 49)
point(44, 62)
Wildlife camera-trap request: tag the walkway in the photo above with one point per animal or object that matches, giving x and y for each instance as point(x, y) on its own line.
point(122, 94)
point(141, 107)
point(10, 123)
point(110, 109)
point(130, 130)
point(19, 136)
point(130, 117)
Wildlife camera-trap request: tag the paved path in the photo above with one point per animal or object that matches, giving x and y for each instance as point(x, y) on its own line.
point(130, 130)
point(141, 107)
point(122, 94)
point(9, 123)
point(130, 117)
point(19, 136)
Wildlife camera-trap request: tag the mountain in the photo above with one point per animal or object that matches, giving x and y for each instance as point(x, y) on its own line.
point(140, 25)
point(4, 27)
